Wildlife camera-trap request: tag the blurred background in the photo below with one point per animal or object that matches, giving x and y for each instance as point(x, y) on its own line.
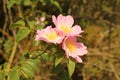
point(100, 20)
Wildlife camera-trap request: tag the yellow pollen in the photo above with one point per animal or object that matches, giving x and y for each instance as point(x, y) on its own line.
point(66, 29)
point(52, 35)
point(70, 46)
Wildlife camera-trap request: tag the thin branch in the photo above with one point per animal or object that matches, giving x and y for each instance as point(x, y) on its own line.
point(6, 16)
point(114, 72)
point(12, 56)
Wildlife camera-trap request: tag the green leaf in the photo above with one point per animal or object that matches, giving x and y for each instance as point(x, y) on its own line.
point(27, 2)
point(57, 5)
point(10, 3)
point(2, 75)
point(14, 75)
point(22, 33)
point(58, 60)
point(19, 23)
point(71, 67)
point(64, 75)
point(46, 56)
point(27, 71)
point(31, 23)
point(33, 64)
point(58, 69)
point(38, 27)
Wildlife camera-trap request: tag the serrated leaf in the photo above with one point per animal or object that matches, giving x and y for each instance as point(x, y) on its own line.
point(27, 71)
point(19, 23)
point(22, 33)
point(10, 3)
point(2, 75)
point(14, 75)
point(71, 67)
point(32, 64)
point(58, 60)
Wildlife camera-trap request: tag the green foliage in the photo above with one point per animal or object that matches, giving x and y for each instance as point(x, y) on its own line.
point(27, 2)
point(14, 74)
point(18, 24)
point(95, 17)
point(2, 75)
point(71, 67)
point(58, 60)
point(22, 33)
point(10, 3)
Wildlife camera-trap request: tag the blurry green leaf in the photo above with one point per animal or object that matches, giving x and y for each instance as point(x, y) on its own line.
point(64, 75)
point(57, 5)
point(46, 56)
point(27, 2)
point(33, 64)
point(2, 75)
point(27, 71)
point(31, 23)
point(71, 67)
point(19, 23)
point(10, 3)
point(58, 69)
point(58, 60)
point(44, 2)
point(14, 75)
point(39, 27)
point(22, 33)
point(18, 2)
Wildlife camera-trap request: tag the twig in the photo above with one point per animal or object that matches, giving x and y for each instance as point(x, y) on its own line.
point(9, 13)
point(6, 16)
point(12, 56)
point(114, 72)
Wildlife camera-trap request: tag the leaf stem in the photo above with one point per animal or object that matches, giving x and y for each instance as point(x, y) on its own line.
point(12, 56)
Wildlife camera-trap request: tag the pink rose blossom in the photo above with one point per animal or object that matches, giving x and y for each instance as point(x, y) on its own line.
point(64, 25)
point(73, 48)
point(49, 35)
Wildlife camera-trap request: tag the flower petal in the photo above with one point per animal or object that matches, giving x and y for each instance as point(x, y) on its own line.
point(76, 30)
point(49, 35)
point(78, 59)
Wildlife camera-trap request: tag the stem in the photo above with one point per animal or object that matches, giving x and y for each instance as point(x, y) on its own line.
point(12, 56)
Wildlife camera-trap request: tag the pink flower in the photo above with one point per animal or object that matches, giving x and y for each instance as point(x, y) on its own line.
point(73, 48)
point(64, 25)
point(49, 35)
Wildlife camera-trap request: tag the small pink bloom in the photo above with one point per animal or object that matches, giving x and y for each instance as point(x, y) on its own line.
point(42, 19)
point(64, 25)
point(73, 48)
point(49, 35)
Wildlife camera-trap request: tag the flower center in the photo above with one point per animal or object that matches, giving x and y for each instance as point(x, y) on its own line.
point(70, 46)
point(52, 35)
point(66, 29)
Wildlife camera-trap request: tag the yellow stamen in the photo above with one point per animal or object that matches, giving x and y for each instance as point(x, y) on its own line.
point(52, 35)
point(66, 29)
point(70, 46)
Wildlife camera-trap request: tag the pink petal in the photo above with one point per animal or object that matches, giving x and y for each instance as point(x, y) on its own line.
point(76, 30)
point(54, 20)
point(69, 21)
point(78, 59)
